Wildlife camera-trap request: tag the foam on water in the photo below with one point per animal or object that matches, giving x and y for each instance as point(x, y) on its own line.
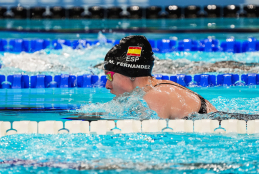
point(129, 105)
point(50, 61)
point(82, 61)
point(67, 60)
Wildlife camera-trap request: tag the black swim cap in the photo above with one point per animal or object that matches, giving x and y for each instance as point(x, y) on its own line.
point(132, 57)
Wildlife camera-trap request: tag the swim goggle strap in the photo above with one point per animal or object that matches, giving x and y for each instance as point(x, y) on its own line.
point(109, 76)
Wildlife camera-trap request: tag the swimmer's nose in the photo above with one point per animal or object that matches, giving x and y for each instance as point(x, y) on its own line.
point(108, 85)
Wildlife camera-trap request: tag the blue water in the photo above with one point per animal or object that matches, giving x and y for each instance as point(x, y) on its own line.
point(162, 24)
point(129, 153)
point(117, 36)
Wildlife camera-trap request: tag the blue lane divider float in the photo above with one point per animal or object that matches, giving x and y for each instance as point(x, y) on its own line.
point(250, 79)
point(65, 81)
point(57, 43)
point(37, 45)
point(19, 81)
point(40, 81)
point(84, 81)
point(230, 45)
point(250, 45)
point(209, 45)
point(188, 45)
point(207, 80)
point(165, 45)
point(162, 45)
point(103, 80)
point(227, 79)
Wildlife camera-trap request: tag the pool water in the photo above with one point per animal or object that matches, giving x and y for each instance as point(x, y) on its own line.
point(132, 153)
point(127, 153)
point(77, 25)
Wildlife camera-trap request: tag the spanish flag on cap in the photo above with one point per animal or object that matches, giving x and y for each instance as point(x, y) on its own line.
point(134, 51)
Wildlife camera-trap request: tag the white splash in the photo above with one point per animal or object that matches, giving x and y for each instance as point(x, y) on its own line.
point(66, 60)
point(129, 105)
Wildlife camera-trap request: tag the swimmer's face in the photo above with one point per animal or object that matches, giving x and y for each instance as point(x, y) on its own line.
point(119, 84)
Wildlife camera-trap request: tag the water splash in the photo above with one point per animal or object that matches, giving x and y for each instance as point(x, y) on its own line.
point(127, 106)
point(67, 60)
point(101, 38)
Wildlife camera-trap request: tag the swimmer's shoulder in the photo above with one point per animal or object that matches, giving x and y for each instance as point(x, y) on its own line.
point(160, 100)
point(163, 89)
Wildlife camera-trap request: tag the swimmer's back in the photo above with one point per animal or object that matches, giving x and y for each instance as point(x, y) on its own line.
point(171, 100)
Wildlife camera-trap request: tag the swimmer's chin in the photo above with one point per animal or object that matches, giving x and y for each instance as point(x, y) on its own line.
point(111, 91)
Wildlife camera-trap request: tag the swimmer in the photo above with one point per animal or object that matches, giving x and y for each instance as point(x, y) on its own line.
point(129, 65)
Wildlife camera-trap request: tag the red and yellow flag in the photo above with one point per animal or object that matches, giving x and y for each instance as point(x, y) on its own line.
point(134, 51)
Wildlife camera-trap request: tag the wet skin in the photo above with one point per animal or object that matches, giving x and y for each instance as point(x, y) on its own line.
point(167, 101)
